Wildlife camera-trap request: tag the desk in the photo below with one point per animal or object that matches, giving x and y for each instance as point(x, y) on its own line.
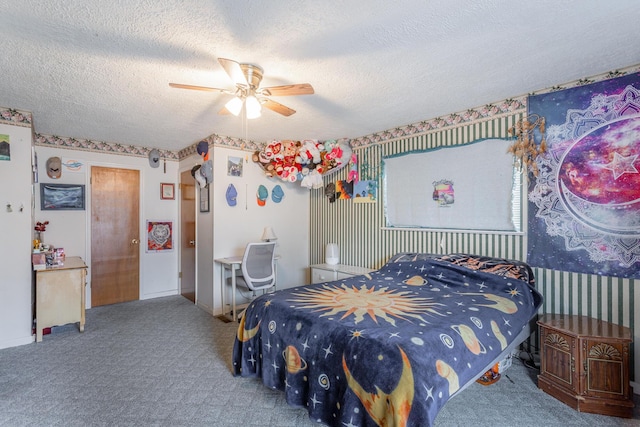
point(60, 295)
point(233, 264)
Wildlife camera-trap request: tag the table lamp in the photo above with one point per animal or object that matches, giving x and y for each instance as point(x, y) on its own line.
point(268, 235)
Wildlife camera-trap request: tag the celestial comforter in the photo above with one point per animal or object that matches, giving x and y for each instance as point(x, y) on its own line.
point(387, 348)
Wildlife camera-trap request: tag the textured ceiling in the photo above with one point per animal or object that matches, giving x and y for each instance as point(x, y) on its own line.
point(95, 69)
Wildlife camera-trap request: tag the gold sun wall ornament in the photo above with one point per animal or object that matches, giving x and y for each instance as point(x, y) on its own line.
point(525, 149)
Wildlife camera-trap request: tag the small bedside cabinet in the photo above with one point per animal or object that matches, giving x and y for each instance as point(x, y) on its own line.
point(584, 363)
point(60, 295)
point(328, 272)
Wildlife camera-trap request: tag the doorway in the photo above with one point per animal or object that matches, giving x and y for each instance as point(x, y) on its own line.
point(188, 236)
point(115, 235)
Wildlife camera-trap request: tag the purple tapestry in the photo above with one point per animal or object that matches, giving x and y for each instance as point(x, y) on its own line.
point(584, 206)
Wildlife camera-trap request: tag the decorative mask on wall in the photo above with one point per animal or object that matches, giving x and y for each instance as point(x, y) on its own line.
point(154, 158)
point(54, 167)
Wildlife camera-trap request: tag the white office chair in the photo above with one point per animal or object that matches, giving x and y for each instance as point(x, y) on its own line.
point(258, 270)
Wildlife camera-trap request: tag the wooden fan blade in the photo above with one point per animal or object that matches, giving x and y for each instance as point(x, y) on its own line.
point(278, 108)
point(234, 71)
point(287, 90)
point(205, 88)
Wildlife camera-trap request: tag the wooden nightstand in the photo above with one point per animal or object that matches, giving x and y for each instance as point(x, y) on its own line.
point(328, 272)
point(585, 363)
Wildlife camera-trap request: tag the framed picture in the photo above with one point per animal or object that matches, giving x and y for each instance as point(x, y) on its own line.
point(159, 236)
point(234, 166)
point(167, 191)
point(61, 197)
point(204, 199)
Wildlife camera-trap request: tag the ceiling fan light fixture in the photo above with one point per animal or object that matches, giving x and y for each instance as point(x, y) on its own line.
point(247, 79)
point(253, 107)
point(234, 105)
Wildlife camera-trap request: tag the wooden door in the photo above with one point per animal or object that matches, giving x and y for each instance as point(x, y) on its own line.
point(187, 236)
point(115, 235)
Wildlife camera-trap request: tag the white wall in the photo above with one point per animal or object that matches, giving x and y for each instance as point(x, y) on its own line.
point(71, 229)
point(15, 247)
point(225, 230)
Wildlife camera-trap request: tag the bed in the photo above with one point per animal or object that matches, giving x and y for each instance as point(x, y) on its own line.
point(391, 347)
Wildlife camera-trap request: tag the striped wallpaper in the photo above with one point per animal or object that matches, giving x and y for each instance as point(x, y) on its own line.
point(359, 230)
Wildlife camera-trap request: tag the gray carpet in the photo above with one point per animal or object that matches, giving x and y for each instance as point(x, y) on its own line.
point(165, 362)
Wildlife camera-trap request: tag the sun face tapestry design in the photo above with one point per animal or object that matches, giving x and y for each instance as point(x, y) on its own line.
point(584, 206)
point(389, 347)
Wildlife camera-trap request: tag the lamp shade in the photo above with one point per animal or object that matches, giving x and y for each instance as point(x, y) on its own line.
point(253, 107)
point(268, 235)
point(234, 106)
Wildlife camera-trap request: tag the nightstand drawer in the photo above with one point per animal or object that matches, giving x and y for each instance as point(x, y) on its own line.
point(341, 275)
point(320, 276)
point(321, 273)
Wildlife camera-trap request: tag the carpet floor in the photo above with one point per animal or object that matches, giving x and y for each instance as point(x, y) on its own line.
point(165, 362)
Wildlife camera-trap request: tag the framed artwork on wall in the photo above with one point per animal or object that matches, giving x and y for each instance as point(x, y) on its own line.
point(167, 191)
point(159, 236)
point(234, 166)
point(61, 197)
point(204, 199)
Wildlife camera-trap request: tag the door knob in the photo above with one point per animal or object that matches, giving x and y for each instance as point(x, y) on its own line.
point(135, 241)
point(192, 242)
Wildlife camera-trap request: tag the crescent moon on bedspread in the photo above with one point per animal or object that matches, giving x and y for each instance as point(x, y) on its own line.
point(390, 409)
point(245, 335)
point(502, 304)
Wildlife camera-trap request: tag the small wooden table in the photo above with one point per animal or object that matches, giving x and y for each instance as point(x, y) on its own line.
point(60, 295)
point(585, 364)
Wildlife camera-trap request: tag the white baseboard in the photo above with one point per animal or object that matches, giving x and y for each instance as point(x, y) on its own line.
point(205, 308)
point(159, 294)
point(17, 342)
point(635, 386)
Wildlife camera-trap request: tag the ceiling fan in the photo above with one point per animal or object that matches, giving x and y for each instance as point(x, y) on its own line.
point(247, 78)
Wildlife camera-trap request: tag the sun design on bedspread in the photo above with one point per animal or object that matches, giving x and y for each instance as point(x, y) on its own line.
point(375, 303)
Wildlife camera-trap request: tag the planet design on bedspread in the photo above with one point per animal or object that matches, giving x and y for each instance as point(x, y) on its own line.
point(294, 362)
point(470, 339)
point(448, 373)
point(415, 281)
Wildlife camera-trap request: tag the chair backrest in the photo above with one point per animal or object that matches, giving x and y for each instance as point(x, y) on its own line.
point(257, 265)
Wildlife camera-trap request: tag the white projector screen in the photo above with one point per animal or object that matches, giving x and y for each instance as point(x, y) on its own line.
point(468, 186)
